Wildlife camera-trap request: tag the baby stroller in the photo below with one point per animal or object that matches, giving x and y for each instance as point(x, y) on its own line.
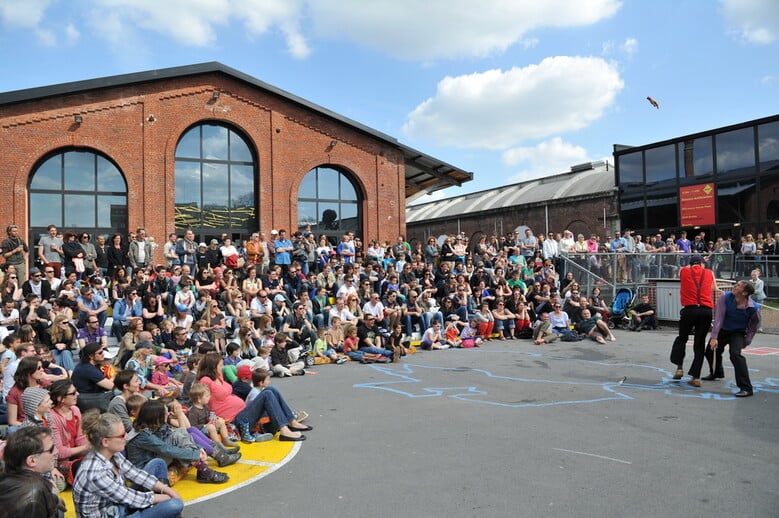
point(623, 300)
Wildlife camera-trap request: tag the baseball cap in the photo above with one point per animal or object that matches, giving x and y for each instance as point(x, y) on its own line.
point(160, 360)
point(274, 232)
point(244, 372)
point(696, 259)
point(203, 245)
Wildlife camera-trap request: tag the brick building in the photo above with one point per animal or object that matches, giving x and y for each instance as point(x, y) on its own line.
point(204, 147)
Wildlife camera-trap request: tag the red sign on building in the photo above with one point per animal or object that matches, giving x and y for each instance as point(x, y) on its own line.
point(696, 205)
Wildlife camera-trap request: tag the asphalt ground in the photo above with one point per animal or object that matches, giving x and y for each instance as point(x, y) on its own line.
point(517, 430)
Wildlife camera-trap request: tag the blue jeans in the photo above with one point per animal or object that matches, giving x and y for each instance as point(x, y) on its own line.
point(167, 509)
point(268, 401)
point(376, 350)
point(63, 358)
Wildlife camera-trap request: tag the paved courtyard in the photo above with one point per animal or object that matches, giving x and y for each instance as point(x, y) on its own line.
point(513, 429)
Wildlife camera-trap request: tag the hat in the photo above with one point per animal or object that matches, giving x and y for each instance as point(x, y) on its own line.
point(143, 344)
point(110, 353)
point(160, 360)
point(201, 245)
point(31, 398)
point(274, 232)
point(34, 270)
point(214, 242)
point(244, 372)
point(182, 307)
point(279, 298)
point(696, 259)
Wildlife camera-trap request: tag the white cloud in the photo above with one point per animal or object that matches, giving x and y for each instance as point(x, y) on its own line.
point(627, 47)
point(414, 30)
point(497, 109)
point(754, 21)
point(768, 80)
point(545, 158)
point(46, 37)
point(72, 34)
point(27, 13)
point(630, 46)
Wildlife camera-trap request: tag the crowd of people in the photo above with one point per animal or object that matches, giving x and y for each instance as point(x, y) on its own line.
point(202, 328)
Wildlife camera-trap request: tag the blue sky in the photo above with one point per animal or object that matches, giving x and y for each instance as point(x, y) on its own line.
point(508, 89)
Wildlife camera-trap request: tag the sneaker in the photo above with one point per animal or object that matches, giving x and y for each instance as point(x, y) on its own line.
point(340, 361)
point(209, 476)
point(445, 346)
point(383, 359)
point(262, 437)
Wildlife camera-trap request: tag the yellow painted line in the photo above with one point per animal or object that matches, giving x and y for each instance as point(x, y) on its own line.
point(258, 460)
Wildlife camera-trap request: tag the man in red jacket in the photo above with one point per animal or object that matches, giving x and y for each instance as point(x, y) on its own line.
point(696, 292)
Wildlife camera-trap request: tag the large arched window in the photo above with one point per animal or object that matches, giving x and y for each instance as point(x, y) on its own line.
point(77, 189)
point(328, 201)
point(215, 182)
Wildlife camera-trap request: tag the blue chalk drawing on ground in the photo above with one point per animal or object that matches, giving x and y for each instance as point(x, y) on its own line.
point(409, 381)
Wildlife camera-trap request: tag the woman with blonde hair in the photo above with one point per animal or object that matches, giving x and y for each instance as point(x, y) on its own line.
point(62, 338)
point(129, 339)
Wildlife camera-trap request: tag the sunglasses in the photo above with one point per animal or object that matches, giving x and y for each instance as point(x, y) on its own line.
point(50, 450)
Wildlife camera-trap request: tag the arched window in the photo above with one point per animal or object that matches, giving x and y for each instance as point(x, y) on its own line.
point(77, 189)
point(215, 182)
point(328, 201)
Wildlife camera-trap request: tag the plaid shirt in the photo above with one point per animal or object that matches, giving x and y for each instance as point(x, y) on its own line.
point(98, 488)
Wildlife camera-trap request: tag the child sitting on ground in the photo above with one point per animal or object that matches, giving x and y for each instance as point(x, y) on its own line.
point(335, 338)
point(470, 334)
point(160, 377)
point(202, 418)
point(243, 384)
point(396, 344)
point(452, 334)
point(321, 349)
point(433, 339)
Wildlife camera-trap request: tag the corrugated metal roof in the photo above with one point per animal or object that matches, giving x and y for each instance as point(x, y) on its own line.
point(599, 178)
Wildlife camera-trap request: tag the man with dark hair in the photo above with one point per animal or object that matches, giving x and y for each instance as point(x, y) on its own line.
point(736, 321)
point(30, 451)
point(643, 315)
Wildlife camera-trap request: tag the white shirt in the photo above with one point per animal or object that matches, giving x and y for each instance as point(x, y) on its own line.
point(377, 310)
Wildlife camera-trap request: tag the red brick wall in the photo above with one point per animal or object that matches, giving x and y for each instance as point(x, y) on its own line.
point(138, 127)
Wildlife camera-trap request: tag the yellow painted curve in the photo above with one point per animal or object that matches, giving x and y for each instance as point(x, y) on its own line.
point(257, 461)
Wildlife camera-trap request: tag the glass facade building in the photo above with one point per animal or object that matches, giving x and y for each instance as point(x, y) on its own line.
point(724, 182)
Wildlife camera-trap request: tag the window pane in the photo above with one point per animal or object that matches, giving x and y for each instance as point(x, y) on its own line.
point(328, 183)
point(79, 210)
point(630, 169)
point(188, 183)
point(347, 190)
point(109, 179)
point(49, 174)
point(189, 145)
point(329, 216)
point(239, 151)
point(79, 171)
point(695, 158)
point(660, 165)
point(45, 210)
point(768, 147)
point(308, 185)
point(215, 185)
point(736, 202)
point(214, 142)
point(307, 214)
point(662, 210)
point(349, 216)
point(241, 185)
point(736, 152)
point(111, 211)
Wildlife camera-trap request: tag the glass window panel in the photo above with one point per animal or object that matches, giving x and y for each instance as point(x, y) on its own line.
point(769, 201)
point(45, 209)
point(239, 151)
point(695, 158)
point(188, 183)
point(307, 214)
point(662, 209)
point(79, 171)
point(327, 182)
point(308, 185)
point(214, 142)
point(768, 147)
point(660, 165)
point(241, 185)
point(349, 216)
point(189, 145)
point(49, 174)
point(347, 190)
point(215, 185)
point(329, 216)
point(736, 202)
point(79, 210)
point(109, 179)
point(111, 211)
point(630, 169)
point(736, 152)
